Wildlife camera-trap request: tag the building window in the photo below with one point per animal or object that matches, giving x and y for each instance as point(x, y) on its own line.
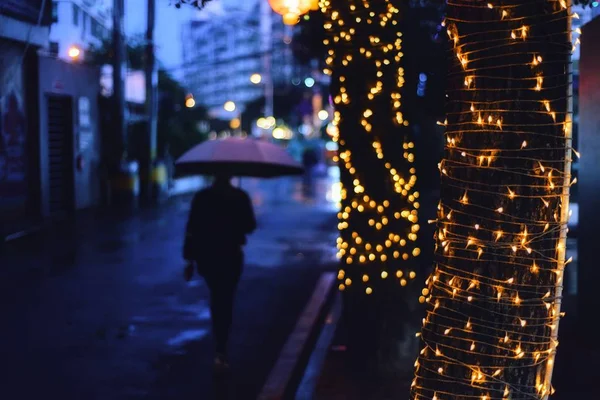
point(96, 29)
point(75, 15)
point(85, 18)
point(54, 12)
point(54, 48)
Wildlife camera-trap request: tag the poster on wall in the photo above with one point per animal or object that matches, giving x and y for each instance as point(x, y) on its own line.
point(86, 134)
point(13, 133)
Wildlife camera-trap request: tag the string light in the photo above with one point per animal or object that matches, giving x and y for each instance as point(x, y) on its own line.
point(379, 199)
point(490, 331)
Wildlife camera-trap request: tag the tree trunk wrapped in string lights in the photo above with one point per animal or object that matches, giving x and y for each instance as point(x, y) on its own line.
point(494, 296)
point(378, 219)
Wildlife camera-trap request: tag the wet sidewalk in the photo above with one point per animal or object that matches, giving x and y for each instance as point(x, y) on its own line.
point(97, 308)
point(341, 378)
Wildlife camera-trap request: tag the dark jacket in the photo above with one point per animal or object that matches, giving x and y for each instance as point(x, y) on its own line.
point(220, 218)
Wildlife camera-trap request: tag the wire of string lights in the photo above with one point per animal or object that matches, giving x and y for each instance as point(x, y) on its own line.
point(378, 219)
point(494, 297)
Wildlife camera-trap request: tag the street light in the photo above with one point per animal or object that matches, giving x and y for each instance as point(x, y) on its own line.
point(256, 78)
point(266, 123)
point(291, 10)
point(229, 106)
point(323, 115)
point(235, 123)
point(189, 101)
point(74, 52)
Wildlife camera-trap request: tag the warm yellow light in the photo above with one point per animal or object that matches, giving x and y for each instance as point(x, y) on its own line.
point(229, 106)
point(256, 78)
point(270, 122)
point(291, 18)
point(291, 10)
point(282, 133)
point(384, 217)
point(499, 222)
point(323, 115)
point(235, 123)
point(74, 52)
point(190, 102)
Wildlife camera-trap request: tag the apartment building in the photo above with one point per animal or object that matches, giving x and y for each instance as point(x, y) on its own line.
point(222, 51)
point(80, 23)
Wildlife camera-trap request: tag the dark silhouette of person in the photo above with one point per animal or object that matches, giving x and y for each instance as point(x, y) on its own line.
point(220, 219)
point(309, 161)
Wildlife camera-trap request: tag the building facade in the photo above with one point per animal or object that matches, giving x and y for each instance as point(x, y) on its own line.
point(49, 132)
point(80, 23)
point(69, 137)
point(24, 29)
point(222, 51)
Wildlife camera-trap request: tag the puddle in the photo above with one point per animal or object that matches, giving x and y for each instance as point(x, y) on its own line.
point(184, 337)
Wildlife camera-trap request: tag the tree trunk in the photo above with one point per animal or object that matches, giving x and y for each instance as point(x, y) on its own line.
point(378, 220)
point(494, 296)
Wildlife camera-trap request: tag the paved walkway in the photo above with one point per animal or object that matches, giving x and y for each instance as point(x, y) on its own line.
point(97, 308)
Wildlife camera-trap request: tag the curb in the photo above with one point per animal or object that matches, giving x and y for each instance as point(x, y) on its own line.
point(289, 368)
point(308, 385)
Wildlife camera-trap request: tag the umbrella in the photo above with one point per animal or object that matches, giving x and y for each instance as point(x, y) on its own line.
point(237, 157)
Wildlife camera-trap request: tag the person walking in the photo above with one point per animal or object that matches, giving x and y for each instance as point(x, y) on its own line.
point(220, 218)
point(309, 161)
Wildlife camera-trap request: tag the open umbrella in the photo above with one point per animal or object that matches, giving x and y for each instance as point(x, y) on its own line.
point(237, 157)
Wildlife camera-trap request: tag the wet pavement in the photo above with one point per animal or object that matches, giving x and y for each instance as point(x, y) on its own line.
point(343, 377)
point(96, 308)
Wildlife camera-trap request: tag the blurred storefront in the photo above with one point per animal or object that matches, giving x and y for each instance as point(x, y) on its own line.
point(49, 141)
point(24, 29)
point(13, 133)
point(70, 145)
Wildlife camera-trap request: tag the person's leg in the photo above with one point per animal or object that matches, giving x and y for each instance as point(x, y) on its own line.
point(223, 289)
point(223, 315)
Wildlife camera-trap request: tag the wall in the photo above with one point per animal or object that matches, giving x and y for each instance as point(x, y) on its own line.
point(586, 14)
point(14, 191)
point(589, 168)
point(73, 26)
point(81, 83)
point(19, 21)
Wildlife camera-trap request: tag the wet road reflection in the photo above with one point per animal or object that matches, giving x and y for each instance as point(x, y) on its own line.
point(118, 322)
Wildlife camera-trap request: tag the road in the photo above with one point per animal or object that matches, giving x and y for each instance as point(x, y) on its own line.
point(96, 308)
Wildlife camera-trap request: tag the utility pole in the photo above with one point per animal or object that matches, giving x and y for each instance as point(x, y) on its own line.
point(151, 96)
point(266, 27)
point(119, 151)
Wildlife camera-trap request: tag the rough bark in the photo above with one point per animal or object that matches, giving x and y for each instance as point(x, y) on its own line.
point(378, 220)
point(494, 298)
point(375, 150)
